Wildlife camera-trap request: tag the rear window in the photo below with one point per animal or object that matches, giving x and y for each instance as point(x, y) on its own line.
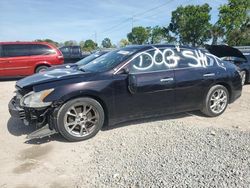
point(75, 50)
point(65, 50)
point(16, 50)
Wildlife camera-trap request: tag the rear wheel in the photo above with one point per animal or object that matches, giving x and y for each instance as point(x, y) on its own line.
point(243, 77)
point(216, 101)
point(41, 69)
point(80, 119)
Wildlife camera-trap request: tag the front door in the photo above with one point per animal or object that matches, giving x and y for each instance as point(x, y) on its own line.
point(148, 87)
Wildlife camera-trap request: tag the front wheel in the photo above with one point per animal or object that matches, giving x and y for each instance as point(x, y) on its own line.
point(80, 119)
point(216, 101)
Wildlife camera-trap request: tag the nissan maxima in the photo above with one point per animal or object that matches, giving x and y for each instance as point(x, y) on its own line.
point(125, 84)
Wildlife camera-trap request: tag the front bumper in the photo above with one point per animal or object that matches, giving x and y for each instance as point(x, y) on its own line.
point(15, 110)
point(30, 116)
point(235, 95)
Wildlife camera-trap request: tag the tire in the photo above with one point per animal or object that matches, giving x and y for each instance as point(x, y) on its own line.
point(210, 101)
point(85, 121)
point(243, 77)
point(41, 68)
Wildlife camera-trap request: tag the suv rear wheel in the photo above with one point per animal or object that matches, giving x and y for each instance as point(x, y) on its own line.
point(41, 68)
point(216, 101)
point(80, 119)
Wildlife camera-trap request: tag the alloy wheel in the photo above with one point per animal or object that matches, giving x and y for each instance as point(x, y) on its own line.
point(81, 119)
point(218, 101)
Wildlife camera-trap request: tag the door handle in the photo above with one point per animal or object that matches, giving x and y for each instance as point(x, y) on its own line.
point(209, 75)
point(167, 79)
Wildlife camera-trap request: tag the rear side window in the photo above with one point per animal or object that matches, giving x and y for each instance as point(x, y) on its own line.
point(40, 49)
point(16, 50)
point(195, 58)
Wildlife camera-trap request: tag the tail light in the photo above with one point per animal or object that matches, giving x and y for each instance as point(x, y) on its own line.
point(60, 57)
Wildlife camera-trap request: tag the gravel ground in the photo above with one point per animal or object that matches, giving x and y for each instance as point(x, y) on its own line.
point(170, 154)
point(183, 150)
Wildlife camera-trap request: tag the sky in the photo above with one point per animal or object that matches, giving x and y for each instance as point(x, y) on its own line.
point(61, 20)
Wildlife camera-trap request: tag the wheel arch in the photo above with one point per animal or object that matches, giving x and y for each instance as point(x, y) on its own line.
point(90, 95)
point(41, 64)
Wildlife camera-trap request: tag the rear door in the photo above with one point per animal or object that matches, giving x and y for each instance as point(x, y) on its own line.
point(194, 73)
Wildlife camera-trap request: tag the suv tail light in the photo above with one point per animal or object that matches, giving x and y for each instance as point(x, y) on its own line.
point(60, 57)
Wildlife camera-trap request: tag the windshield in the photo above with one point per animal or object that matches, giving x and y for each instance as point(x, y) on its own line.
point(89, 58)
point(108, 61)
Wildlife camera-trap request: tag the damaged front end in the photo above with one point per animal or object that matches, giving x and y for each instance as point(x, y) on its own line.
point(29, 106)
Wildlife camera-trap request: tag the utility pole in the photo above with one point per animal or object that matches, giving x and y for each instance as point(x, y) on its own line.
point(95, 37)
point(132, 20)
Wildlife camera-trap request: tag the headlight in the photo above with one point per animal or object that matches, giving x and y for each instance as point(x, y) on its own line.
point(35, 99)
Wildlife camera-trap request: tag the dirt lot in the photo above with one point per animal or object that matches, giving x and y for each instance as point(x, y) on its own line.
point(181, 150)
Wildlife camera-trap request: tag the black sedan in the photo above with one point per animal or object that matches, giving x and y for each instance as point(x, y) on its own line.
point(125, 84)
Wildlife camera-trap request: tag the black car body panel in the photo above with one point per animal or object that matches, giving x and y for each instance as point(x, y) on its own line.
point(141, 92)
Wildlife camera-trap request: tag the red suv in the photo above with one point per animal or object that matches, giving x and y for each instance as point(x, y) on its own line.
point(26, 58)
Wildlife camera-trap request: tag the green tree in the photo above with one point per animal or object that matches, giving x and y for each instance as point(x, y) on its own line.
point(123, 42)
point(49, 41)
point(106, 43)
point(159, 34)
point(139, 35)
point(70, 43)
point(234, 18)
point(89, 45)
point(81, 44)
point(216, 33)
point(191, 24)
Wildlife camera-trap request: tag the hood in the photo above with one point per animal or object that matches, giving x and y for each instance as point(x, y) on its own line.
point(52, 75)
point(64, 66)
point(225, 51)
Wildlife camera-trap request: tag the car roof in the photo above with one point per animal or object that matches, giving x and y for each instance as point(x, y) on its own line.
point(24, 42)
point(149, 46)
